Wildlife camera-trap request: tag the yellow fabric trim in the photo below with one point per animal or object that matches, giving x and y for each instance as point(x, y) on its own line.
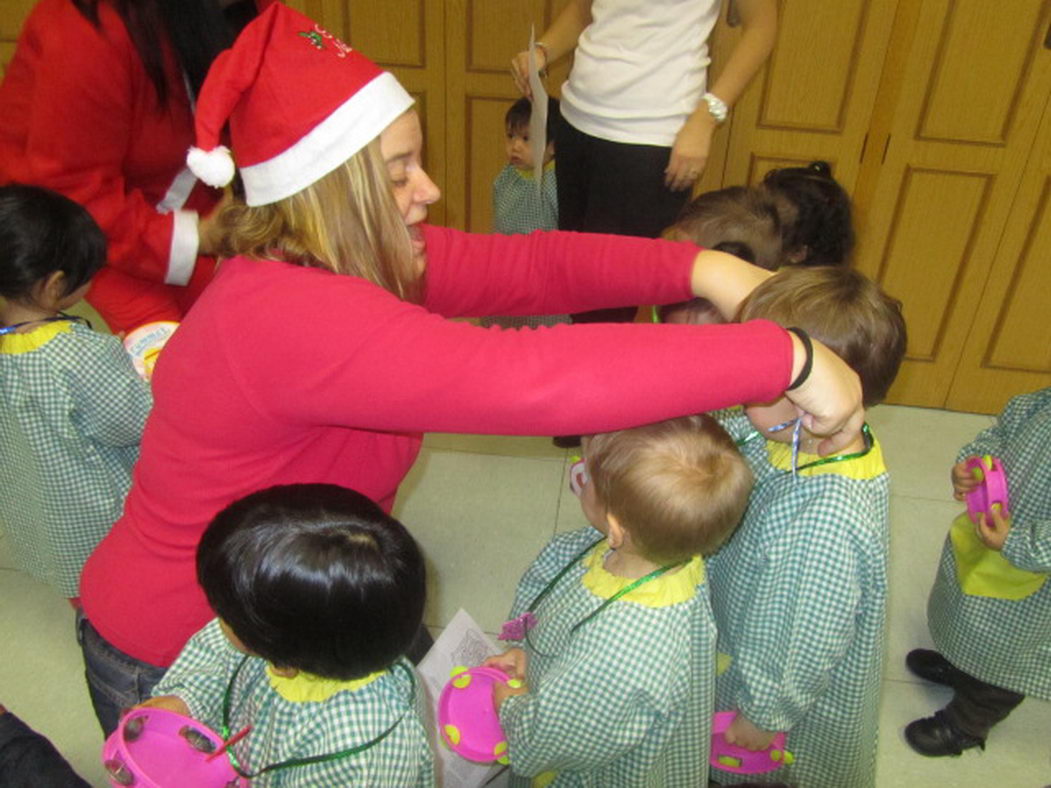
point(722, 663)
point(12, 344)
point(668, 589)
point(868, 467)
point(308, 688)
point(528, 173)
point(982, 571)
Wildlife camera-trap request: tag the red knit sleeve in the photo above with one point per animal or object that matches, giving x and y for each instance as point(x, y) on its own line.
point(551, 272)
point(351, 354)
point(84, 111)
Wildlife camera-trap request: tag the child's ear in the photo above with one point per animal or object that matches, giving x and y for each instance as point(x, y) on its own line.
point(48, 292)
point(616, 534)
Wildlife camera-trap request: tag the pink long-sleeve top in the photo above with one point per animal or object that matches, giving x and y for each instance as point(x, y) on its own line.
point(283, 374)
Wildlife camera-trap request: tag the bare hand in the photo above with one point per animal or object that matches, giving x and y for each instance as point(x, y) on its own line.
point(992, 528)
point(743, 733)
point(963, 480)
point(520, 69)
point(502, 691)
point(512, 662)
point(168, 702)
point(689, 154)
point(829, 400)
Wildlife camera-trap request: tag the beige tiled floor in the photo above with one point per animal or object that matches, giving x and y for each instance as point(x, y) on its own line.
point(482, 507)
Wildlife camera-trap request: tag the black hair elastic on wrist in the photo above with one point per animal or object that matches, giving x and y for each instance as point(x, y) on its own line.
point(808, 362)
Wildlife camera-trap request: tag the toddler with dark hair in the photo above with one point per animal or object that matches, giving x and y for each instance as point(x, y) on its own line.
point(318, 594)
point(519, 204)
point(615, 634)
point(73, 407)
point(800, 590)
point(815, 213)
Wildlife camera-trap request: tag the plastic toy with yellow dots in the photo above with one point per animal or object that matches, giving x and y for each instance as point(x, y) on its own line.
point(467, 718)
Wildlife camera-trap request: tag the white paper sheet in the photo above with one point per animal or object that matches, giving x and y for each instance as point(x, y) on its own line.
point(538, 117)
point(461, 643)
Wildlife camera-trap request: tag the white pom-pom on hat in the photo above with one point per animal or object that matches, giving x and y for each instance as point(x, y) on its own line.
point(214, 167)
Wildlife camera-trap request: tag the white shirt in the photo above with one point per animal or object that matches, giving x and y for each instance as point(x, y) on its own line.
point(640, 69)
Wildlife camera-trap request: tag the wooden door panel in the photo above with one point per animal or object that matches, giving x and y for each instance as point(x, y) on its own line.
point(12, 15)
point(815, 98)
point(942, 183)
point(483, 36)
point(1008, 350)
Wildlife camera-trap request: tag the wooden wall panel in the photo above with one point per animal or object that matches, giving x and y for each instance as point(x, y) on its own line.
point(12, 14)
point(995, 44)
point(808, 87)
point(936, 218)
point(815, 98)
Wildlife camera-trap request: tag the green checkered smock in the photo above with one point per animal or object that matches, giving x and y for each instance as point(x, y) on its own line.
point(519, 209)
point(624, 701)
point(283, 728)
point(1002, 641)
point(72, 410)
point(799, 595)
point(517, 205)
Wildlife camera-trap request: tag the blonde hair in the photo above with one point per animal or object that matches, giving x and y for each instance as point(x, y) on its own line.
point(844, 309)
point(346, 222)
point(679, 487)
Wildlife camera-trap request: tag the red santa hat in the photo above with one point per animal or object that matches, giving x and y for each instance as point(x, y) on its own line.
point(300, 102)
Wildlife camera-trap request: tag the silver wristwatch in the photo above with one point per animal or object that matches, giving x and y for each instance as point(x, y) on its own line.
point(716, 106)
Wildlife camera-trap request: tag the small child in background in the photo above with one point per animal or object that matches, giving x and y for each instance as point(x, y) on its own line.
point(615, 629)
point(72, 407)
point(815, 214)
point(738, 220)
point(799, 592)
point(318, 595)
point(990, 608)
point(518, 207)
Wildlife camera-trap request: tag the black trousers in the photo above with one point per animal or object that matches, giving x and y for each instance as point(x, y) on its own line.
point(977, 706)
point(29, 760)
point(612, 187)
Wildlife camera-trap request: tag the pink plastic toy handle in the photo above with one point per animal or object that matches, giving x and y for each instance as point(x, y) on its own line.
point(731, 758)
point(991, 489)
point(468, 720)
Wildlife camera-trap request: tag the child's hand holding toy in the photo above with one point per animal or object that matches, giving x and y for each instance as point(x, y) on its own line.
point(992, 528)
point(964, 479)
point(513, 663)
point(744, 733)
point(169, 703)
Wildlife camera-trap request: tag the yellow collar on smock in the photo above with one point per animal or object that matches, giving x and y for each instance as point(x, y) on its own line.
point(663, 591)
point(308, 688)
point(37, 338)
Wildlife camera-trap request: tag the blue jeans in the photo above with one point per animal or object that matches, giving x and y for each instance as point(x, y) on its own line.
point(116, 681)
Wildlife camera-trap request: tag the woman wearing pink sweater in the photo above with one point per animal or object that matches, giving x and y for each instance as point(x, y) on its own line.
point(321, 351)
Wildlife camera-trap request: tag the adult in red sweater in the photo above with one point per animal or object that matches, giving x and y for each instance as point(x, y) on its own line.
point(322, 351)
point(96, 104)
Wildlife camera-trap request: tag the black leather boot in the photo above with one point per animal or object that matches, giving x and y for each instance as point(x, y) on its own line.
point(931, 666)
point(936, 736)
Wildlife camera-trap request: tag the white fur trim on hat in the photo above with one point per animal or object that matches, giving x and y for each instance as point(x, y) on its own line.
point(215, 167)
point(348, 129)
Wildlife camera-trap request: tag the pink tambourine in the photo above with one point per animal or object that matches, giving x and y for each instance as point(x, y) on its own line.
point(467, 718)
point(157, 748)
point(731, 758)
point(991, 489)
